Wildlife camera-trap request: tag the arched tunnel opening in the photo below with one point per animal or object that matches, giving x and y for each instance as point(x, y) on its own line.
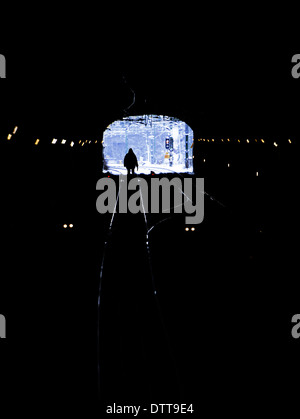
point(162, 144)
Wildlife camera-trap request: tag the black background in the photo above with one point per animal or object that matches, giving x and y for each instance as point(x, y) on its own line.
point(227, 294)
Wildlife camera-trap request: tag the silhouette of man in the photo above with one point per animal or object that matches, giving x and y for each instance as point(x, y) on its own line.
point(130, 161)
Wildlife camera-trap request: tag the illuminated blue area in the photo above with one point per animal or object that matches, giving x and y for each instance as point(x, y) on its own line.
point(162, 144)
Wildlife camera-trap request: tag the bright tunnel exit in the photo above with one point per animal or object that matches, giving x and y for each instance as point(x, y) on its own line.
point(162, 144)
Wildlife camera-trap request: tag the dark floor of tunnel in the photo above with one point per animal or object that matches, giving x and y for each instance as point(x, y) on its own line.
point(130, 322)
point(223, 295)
point(201, 309)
